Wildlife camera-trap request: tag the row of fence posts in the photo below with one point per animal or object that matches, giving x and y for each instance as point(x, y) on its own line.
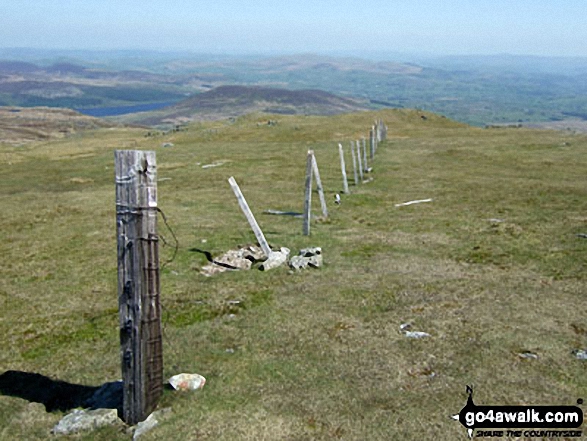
point(138, 263)
point(358, 151)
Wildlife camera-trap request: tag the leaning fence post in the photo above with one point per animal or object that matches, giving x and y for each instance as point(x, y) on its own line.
point(308, 195)
point(345, 184)
point(138, 283)
point(319, 186)
point(354, 163)
point(359, 160)
point(249, 215)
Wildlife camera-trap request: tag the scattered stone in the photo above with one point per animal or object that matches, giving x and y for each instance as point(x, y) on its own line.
point(580, 354)
point(167, 144)
point(80, 420)
point(528, 355)
point(239, 259)
point(144, 426)
point(582, 235)
point(109, 396)
point(405, 329)
point(496, 221)
point(275, 259)
point(187, 382)
point(416, 334)
point(308, 257)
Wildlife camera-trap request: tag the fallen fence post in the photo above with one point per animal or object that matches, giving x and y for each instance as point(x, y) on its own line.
point(345, 184)
point(308, 194)
point(249, 215)
point(138, 283)
point(354, 163)
point(319, 186)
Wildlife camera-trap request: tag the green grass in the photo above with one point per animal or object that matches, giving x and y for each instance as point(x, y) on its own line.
point(317, 354)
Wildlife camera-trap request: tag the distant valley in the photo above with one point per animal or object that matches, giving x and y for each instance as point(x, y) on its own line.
point(476, 90)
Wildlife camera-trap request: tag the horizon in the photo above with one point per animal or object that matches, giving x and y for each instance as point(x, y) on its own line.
point(405, 28)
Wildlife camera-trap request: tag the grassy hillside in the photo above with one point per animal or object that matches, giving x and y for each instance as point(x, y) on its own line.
point(232, 101)
point(491, 268)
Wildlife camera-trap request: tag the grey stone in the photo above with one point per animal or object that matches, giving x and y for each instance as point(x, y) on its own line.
point(275, 259)
point(145, 426)
point(80, 420)
point(308, 257)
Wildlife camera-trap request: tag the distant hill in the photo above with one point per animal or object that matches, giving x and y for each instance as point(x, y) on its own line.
point(232, 101)
point(20, 125)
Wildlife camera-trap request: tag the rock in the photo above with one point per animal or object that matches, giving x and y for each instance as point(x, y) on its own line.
point(416, 334)
point(239, 259)
point(167, 144)
point(145, 426)
point(580, 354)
point(528, 355)
point(187, 382)
point(80, 420)
point(109, 396)
point(275, 259)
point(308, 257)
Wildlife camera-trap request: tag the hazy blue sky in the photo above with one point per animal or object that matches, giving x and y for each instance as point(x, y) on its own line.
point(537, 27)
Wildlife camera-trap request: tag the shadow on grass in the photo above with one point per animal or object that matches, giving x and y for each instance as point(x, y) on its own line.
point(59, 395)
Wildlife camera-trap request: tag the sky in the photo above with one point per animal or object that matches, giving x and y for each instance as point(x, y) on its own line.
point(437, 27)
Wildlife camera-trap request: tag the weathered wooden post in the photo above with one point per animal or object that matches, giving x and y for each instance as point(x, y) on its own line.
point(319, 186)
point(354, 163)
point(138, 283)
point(359, 160)
point(308, 195)
point(365, 166)
point(345, 184)
point(249, 215)
point(372, 143)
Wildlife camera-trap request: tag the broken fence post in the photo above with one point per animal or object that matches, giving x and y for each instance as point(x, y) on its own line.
point(249, 215)
point(345, 184)
point(308, 194)
point(354, 163)
point(319, 186)
point(359, 160)
point(138, 283)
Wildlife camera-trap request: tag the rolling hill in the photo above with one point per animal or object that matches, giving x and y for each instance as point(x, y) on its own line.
point(232, 101)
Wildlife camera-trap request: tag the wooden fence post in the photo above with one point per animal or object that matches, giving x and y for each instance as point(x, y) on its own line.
point(354, 163)
point(359, 160)
point(319, 186)
point(365, 166)
point(138, 283)
point(249, 215)
point(308, 195)
point(345, 183)
point(372, 143)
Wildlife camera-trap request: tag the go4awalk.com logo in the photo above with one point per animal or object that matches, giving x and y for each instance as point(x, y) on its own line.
point(518, 421)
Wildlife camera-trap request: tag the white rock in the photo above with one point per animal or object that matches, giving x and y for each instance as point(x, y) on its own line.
point(187, 382)
point(416, 334)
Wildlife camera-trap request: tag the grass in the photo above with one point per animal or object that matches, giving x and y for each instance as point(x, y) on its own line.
point(318, 354)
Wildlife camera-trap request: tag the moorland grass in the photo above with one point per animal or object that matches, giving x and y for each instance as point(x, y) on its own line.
point(492, 267)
